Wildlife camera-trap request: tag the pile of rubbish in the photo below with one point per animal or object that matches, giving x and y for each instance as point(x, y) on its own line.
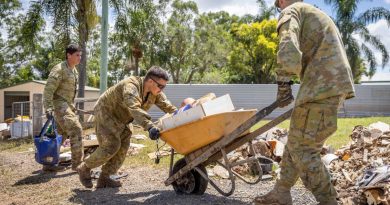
point(270, 145)
point(361, 170)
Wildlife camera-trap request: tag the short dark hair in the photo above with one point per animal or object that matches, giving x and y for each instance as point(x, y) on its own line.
point(158, 72)
point(72, 48)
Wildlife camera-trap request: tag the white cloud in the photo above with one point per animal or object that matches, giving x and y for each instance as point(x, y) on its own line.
point(381, 30)
point(387, 1)
point(237, 7)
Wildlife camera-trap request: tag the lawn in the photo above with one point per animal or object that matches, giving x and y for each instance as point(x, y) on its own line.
point(345, 127)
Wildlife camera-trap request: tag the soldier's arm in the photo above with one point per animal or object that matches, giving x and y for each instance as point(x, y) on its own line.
point(164, 104)
point(289, 56)
point(51, 86)
point(133, 102)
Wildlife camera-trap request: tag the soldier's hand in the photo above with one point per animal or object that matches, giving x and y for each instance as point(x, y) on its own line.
point(49, 113)
point(154, 133)
point(284, 96)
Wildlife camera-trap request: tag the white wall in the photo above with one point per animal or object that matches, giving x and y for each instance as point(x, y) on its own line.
point(35, 87)
point(31, 87)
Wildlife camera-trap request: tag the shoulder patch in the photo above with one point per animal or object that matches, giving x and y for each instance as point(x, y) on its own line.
point(284, 17)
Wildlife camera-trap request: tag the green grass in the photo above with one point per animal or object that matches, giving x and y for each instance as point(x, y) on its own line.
point(345, 127)
point(16, 145)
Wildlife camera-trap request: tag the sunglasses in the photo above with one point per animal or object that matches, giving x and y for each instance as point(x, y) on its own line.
point(161, 86)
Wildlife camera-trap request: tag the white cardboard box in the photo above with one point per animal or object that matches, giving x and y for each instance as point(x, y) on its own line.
point(218, 105)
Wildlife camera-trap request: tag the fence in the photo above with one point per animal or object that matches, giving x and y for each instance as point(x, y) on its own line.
point(370, 100)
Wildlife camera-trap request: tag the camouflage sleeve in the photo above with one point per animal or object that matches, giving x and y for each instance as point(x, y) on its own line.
point(164, 104)
point(52, 84)
point(289, 56)
point(133, 102)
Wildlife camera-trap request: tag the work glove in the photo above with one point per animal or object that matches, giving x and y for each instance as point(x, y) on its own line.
point(154, 133)
point(284, 96)
point(49, 113)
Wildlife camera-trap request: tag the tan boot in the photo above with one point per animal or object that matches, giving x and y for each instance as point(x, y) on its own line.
point(105, 181)
point(85, 175)
point(277, 196)
point(53, 168)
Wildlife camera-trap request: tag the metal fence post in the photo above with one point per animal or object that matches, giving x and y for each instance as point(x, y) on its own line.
point(37, 113)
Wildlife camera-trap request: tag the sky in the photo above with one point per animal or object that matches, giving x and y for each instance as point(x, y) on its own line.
point(242, 7)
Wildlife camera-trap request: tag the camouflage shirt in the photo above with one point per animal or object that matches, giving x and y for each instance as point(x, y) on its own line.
point(61, 86)
point(311, 47)
point(125, 102)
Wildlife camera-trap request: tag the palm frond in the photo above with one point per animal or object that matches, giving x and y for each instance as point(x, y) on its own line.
point(370, 58)
point(373, 15)
point(32, 25)
point(377, 44)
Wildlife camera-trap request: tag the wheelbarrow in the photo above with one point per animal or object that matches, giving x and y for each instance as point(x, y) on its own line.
point(210, 139)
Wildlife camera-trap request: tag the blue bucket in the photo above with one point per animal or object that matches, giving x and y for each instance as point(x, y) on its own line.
point(48, 144)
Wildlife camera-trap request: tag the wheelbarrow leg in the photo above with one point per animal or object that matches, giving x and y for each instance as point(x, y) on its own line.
point(254, 159)
point(226, 165)
point(171, 162)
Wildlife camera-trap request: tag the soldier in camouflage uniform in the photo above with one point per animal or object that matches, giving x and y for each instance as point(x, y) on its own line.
point(310, 47)
point(115, 111)
point(58, 97)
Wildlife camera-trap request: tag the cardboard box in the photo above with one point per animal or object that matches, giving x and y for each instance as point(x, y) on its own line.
point(216, 106)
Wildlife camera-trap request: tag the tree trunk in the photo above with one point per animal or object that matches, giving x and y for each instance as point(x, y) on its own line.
point(136, 73)
point(81, 16)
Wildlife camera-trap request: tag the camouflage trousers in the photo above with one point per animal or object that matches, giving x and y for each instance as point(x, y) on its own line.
point(114, 141)
point(311, 124)
point(68, 124)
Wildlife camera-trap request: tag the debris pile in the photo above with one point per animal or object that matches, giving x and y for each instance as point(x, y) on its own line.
point(361, 170)
point(270, 145)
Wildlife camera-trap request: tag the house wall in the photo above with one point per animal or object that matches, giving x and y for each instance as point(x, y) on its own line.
point(34, 87)
point(31, 87)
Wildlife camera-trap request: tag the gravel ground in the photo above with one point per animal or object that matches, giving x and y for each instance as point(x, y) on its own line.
point(23, 182)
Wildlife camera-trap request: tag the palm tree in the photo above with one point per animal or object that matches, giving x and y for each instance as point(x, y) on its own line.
point(349, 24)
point(69, 17)
point(137, 23)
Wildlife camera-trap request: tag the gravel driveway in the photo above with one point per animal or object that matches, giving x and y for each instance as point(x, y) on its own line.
point(23, 182)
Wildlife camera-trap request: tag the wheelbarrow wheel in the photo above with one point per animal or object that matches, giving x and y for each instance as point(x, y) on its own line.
point(192, 182)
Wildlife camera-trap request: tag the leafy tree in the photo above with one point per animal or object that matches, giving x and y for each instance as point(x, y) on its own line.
point(136, 25)
point(350, 23)
point(69, 18)
point(253, 58)
point(7, 16)
point(177, 44)
point(210, 47)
